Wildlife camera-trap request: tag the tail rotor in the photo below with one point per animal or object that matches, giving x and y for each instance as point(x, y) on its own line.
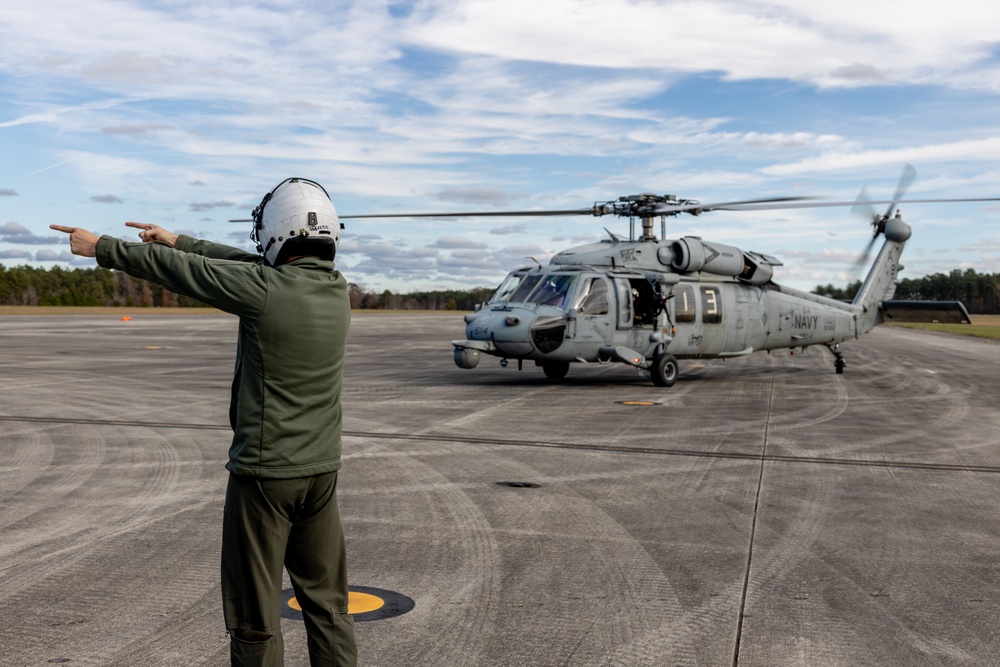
point(863, 207)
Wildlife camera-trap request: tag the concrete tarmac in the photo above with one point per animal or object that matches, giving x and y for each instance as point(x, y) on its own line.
point(764, 511)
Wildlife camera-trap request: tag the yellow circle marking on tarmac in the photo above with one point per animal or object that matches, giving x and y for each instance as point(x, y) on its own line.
point(153, 347)
point(357, 603)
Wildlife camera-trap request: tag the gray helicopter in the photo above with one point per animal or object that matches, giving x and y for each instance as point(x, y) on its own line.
point(648, 302)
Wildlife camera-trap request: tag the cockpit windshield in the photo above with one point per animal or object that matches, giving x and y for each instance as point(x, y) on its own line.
point(507, 287)
point(528, 284)
point(542, 288)
point(552, 290)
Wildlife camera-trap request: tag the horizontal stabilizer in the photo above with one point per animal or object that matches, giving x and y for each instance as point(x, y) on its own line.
point(945, 312)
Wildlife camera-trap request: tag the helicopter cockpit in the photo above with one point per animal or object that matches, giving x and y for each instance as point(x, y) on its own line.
point(544, 289)
point(584, 294)
point(535, 311)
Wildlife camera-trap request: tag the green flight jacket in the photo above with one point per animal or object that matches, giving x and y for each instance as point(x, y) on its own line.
point(285, 404)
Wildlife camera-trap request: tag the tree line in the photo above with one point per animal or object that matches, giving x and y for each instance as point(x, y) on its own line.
point(31, 286)
point(978, 292)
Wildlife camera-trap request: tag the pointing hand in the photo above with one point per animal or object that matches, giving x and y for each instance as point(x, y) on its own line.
point(81, 241)
point(154, 233)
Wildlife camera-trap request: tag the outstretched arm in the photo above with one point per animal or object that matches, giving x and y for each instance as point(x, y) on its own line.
point(156, 234)
point(235, 287)
point(84, 243)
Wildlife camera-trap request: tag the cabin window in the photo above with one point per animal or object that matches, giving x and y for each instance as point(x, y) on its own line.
point(593, 298)
point(711, 305)
point(683, 304)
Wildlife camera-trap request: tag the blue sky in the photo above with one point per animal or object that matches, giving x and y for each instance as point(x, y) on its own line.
point(184, 114)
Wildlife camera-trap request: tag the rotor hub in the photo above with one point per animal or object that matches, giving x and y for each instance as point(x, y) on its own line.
point(646, 205)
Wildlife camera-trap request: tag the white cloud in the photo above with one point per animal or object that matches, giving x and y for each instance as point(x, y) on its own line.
point(975, 149)
point(825, 44)
point(184, 109)
point(455, 242)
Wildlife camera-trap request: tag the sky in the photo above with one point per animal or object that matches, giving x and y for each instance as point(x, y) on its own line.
point(184, 114)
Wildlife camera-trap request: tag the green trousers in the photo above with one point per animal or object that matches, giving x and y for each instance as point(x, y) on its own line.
point(295, 524)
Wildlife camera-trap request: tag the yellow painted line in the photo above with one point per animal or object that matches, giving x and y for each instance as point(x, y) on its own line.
point(640, 403)
point(357, 603)
point(153, 347)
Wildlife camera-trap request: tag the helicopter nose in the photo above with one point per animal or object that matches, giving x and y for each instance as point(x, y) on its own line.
point(508, 329)
point(513, 338)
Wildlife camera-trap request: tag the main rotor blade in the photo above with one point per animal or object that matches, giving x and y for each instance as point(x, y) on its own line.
point(463, 214)
point(596, 210)
point(473, 214)
point(775, 203)
point(682, 208)
point(820, 204)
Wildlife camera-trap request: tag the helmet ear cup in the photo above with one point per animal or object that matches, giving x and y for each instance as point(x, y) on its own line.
point(258, 217)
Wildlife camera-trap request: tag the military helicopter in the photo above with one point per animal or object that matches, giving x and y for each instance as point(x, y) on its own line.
point(649, 302)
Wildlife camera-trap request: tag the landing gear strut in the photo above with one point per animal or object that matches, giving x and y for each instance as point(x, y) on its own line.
point(838, 362)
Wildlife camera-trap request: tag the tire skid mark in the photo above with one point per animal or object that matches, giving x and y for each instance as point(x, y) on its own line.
point(794, 551)
point(27, 452)
point(83, 482)
point(21, 512)
point(84, 611)
point(457, 614)
point(639, 629)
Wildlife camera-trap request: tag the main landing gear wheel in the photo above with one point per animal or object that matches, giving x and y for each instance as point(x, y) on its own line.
point(664, 371)
point(555, 370)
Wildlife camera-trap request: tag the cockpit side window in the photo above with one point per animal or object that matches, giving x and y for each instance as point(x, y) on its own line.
point(593, 297)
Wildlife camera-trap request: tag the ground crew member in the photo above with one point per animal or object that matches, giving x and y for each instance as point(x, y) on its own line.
point(281, 504)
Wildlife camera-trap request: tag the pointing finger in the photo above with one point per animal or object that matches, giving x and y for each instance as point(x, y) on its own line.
point(139, 225)
point(62, 228)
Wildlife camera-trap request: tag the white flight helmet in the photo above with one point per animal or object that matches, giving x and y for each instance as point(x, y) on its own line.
point(296, 217)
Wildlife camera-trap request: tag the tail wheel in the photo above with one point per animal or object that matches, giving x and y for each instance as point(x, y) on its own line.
point(665, 370)
point(555, 370)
